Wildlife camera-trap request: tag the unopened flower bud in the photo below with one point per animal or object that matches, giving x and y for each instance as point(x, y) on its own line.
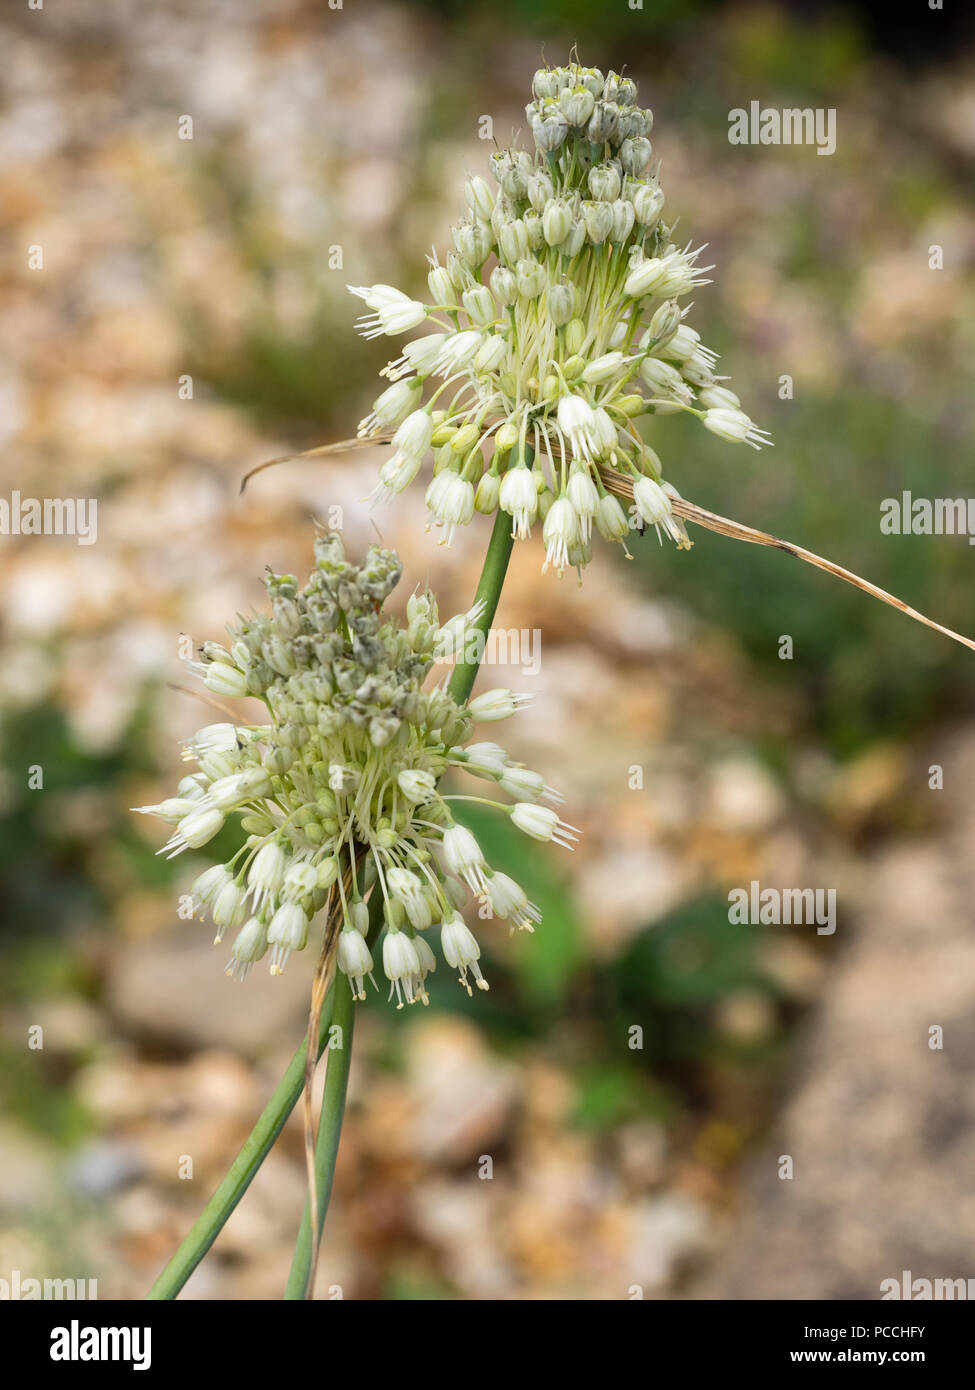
point(599, 221)
point(561, 302)
point(576, 104)
point(635, 155)
point(480, 198)
point(575, 335)
point(530, 277)
point(648, 203)
point(479, 304)
point(440, 285)
point(602, 123)
point(503, 285)
point(513, 240)
point(556, 222)
point(225, 680)
point(604, 182)
point(541, 190)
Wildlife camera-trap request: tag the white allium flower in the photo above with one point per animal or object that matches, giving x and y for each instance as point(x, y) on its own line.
point(519, 498)
point(652, 507)
point(227, 793)
point(417, 786)
point(463, 857)
point(172, 810)
point(542, 824)
point(250, 945)
point(229, 908)
point(458, 351)
point(584, 497)
point(300, 880)
point(560, 532)
point(396, 474)
point(611, 520)
point(428, 961)
point(497, 704)
point(508, 900)
point(287, 931)
point(391, 407)
point(195, 829)
point(718, 398)
point(604, 368)
point(338, 797)
point(576, 419)
point(208, 885)
point(461, 951)
point(354, 959)
point(266, 873)
point(492, 353)
point(485, 757)
point(573, 335)
point(215, 738)
point(734, 425)
point(526, 785)
point(452, 503)
point(401, 965)
point(224, 679)
point(393, 311)
point(414, 434)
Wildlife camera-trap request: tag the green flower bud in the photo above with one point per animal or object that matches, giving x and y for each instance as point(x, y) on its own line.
point(575, 335)
point(464, 438)
point(574, 366)
point(486, 495)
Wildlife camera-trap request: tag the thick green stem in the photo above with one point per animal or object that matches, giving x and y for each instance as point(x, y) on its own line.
point(489, 591)
point(257, 1147)
point(327, 1143)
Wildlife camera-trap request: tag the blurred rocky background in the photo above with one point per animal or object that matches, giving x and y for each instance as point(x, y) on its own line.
point(693, 756)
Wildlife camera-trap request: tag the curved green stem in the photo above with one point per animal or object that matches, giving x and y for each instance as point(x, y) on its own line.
point(256, 1148)
point(301, 1278)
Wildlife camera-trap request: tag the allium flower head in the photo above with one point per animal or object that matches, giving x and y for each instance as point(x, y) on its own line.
point(559, 326)
point(338, 796)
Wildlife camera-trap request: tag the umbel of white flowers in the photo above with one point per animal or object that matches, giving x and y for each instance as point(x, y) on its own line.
point(338, 795)
point(558, 325)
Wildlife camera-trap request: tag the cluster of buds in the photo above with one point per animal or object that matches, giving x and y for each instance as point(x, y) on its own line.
point(338, 796)
point(558, 325)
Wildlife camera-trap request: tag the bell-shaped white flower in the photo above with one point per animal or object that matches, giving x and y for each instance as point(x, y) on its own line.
point(463, 857)
point(287, 931)
point(543, 824)
point(461, 951)
point(354, 959)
